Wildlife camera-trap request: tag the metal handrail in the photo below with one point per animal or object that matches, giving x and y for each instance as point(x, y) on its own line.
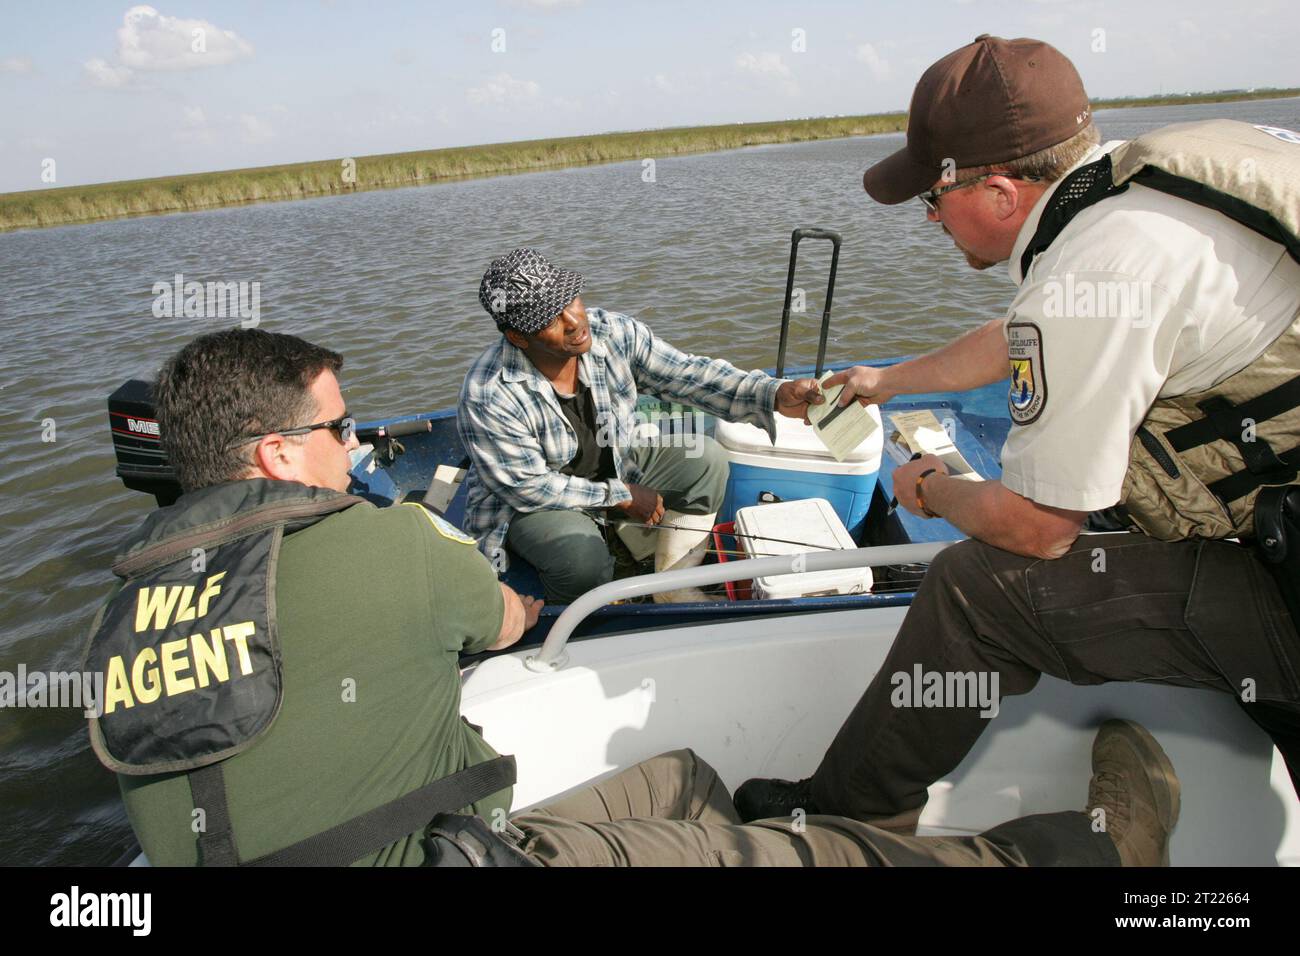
point(552, 657)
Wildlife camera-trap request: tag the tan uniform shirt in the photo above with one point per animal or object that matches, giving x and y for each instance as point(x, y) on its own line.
point(1143, 295)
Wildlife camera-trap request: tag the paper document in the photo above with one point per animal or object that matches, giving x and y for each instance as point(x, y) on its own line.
point(921, 432)
point(841, 429)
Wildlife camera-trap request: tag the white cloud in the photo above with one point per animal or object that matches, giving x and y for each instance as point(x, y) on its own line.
point(16, 64)
point(878, 66)
point(194, 130)
point(663, 84)
point(149, 40)
point(503, 89)
point(762, 63)
point(768, 69)
point(105, 75)
point(256, 129)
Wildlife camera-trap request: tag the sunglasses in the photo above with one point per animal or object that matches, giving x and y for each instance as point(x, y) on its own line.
point(344, 428)
point(931, 196)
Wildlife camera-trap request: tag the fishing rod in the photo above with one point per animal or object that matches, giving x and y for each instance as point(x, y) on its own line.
point(734, 534)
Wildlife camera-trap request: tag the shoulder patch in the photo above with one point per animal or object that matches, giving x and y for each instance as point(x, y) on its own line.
point(1277, 132)
point(442, 525)
point(1028, 393)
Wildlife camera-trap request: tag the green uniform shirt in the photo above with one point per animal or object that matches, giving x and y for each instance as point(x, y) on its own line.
point(374, 606)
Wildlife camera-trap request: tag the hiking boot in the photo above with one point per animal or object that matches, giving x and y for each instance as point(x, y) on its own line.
point(763, 799)
point(1134, 783)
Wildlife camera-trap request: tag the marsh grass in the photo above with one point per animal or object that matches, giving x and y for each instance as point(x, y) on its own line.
point(139, 197)
point(50, 207)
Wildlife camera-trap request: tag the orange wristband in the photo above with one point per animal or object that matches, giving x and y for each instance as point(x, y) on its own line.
point(920, 499)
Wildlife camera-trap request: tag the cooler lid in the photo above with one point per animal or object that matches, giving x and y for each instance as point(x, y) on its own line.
point(793, 437)
point(811, 522)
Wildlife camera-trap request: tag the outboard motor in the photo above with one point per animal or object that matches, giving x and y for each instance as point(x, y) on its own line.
point(141, 461)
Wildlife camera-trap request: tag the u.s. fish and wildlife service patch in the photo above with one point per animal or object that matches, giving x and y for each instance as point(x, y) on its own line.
point(1028, 392)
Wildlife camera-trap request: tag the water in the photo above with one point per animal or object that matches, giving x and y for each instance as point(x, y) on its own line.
point(390, 280)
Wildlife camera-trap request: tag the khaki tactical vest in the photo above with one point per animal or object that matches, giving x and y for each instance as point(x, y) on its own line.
point(1198, 461)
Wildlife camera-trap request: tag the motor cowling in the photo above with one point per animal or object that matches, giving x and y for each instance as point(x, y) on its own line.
point(141, 459)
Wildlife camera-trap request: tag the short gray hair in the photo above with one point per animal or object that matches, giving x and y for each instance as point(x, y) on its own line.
point(1047, 164)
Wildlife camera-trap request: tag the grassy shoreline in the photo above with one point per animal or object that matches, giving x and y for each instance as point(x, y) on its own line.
point(198, 191)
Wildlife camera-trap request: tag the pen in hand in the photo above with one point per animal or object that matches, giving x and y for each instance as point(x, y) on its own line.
point(893, 502)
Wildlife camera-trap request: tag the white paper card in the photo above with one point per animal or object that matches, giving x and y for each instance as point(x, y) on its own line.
point(841, 429)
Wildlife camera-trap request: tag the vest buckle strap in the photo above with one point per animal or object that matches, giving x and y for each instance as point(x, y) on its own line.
point(1227, 420)
point(1276, 401)
point(1241, 483)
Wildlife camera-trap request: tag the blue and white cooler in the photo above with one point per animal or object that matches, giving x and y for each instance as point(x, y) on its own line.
point(799, 466)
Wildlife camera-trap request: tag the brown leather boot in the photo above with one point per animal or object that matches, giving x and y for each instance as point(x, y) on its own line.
point(1134, 783)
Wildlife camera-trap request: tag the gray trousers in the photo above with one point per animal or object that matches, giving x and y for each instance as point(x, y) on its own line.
point(568, 548)
point(674, 811)
point(1117, 607)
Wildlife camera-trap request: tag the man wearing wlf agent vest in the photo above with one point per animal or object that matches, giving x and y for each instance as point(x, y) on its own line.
point(1153, 350)
point(283, 657)
point(282, 683)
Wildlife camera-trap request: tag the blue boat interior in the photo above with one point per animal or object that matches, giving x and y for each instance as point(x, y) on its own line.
point(979, 427)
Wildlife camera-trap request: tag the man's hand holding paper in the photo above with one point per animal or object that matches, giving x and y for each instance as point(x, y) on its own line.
point(841, 427)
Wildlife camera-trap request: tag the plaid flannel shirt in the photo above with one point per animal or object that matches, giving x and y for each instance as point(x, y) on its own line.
point(518, 439)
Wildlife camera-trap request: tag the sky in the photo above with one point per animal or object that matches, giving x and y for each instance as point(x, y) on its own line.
point(113, 91)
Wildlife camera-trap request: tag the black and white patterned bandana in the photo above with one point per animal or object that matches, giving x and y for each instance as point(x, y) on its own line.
point(522, 290)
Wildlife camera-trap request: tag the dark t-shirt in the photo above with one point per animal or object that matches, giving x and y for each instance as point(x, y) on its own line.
point(593, 461)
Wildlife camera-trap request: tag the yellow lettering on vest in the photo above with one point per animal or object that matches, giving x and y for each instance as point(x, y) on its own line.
point(173, 668)
point(156, 603)
point(184, 610)
point(239, 633)
point(144, 676)
point(211, 588)
point(116, 690)
point(209, 659)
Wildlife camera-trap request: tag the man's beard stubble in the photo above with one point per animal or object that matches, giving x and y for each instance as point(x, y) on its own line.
point(974, 261)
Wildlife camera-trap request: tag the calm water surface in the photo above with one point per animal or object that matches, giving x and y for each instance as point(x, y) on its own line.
point(390, 280)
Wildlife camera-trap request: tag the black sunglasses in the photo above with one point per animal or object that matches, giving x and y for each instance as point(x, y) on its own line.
point(344, 428)
point(931, 196)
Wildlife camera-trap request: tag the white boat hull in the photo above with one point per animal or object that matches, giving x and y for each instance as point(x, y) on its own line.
point(764, 698)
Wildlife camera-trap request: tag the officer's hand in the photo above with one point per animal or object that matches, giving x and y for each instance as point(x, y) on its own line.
point(793, 398)
point(905, 480)
point(866, 384)
point(646, 505)
point(518, 615)
point(532, 609)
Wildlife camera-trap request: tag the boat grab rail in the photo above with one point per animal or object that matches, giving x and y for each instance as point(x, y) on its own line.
point(552, 657)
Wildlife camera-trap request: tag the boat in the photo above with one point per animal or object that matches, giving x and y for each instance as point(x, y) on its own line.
point(759, 686)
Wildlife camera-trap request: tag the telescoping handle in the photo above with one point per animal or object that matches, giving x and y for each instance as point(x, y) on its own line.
point(808, 232)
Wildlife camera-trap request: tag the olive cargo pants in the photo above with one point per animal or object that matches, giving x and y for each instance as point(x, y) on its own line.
point(568, 548)
point(674, 811)
point(1116, 607)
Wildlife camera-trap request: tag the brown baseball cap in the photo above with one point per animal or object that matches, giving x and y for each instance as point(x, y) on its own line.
point(989, 102)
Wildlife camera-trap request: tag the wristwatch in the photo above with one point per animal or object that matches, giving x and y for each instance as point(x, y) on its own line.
point(920, 499)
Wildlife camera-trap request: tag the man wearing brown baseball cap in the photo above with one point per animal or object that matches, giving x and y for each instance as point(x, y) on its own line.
point(1002, 151)
point(993, 101)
